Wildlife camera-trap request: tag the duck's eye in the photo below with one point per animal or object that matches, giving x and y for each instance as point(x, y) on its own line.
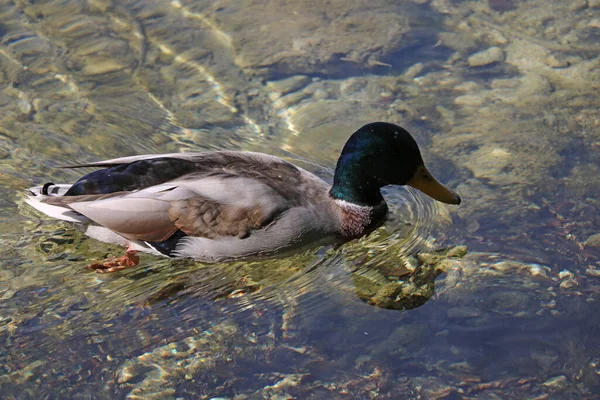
point(426, 176)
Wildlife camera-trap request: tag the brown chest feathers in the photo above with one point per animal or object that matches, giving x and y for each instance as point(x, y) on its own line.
point(357, 221)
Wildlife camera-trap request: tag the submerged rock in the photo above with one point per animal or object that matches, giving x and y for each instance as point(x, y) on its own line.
point(593, 241)
point(556, 383)
point(486, 57)
point(502, 5)
point(315, 37)
point(285, 86)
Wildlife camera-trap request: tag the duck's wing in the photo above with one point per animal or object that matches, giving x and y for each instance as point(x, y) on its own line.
point(139, 172)
point(198, 206)
point(228, 195)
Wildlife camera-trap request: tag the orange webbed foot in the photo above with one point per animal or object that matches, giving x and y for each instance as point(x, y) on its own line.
point(130, 259)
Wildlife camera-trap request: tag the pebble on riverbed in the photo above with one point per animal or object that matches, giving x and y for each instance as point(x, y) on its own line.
point(486, 57)
point(593, 241)
point(556, 383)
point(285, 86)
point(501, 5)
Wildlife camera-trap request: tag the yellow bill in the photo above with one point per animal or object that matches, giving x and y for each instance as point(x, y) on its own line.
point(426, 183)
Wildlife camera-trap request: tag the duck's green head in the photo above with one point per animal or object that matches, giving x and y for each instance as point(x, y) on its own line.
point(381, 154)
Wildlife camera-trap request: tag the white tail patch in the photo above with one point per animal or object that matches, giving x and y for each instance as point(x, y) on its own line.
point(65, 214)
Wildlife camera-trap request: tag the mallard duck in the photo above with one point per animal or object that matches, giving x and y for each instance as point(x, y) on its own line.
point(228, 205)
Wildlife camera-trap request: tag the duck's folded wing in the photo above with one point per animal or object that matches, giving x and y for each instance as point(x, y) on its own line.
point(207, 206)
point(133, 218)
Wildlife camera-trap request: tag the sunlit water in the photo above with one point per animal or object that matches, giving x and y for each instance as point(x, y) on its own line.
point(518, 136)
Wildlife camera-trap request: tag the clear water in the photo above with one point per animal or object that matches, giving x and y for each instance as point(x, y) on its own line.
point(519, 138)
